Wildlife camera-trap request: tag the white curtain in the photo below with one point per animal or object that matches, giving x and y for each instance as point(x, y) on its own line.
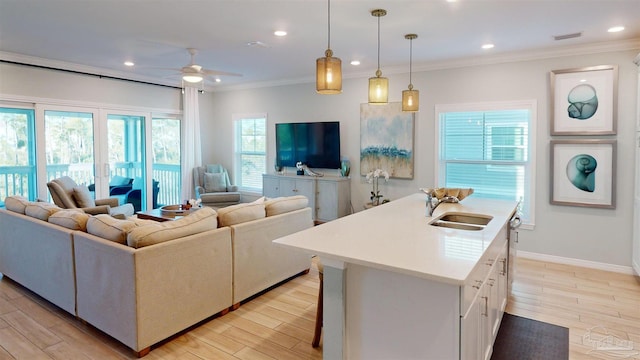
point(191, 154)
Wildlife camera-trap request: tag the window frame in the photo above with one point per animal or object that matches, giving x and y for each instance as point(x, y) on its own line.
point(530, 164)
point(237, 153)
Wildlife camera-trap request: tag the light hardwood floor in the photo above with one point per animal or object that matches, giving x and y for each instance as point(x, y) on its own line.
point(279, 324)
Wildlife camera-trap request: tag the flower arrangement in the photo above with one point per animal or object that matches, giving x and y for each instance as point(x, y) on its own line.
point(372, 178)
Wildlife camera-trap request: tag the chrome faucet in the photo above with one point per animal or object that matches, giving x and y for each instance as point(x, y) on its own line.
point(430, 205)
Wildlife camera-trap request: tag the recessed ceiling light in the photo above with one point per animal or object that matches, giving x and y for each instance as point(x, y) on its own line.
point(615, 29)
point(280, 33)
point(488, 46)
point(129, 63)
point(355, 62)
point(218, 80)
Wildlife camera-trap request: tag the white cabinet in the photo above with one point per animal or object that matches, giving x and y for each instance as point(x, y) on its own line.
point(329, 197)
point(480, 323)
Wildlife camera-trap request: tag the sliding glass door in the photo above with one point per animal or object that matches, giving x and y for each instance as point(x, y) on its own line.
point(17, 153)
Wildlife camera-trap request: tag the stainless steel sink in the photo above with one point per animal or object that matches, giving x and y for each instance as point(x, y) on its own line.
point(462, 221)
point(458, 226)
point(476, 219)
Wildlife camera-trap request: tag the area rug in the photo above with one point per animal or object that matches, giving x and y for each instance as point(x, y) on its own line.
point(523, 339)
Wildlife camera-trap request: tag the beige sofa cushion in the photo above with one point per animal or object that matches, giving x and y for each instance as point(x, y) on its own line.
point(202, 220)
point(71, 219)
point(240, 213)
point(110, 228)
point(41, 210)
point(281, 205)
point(16, 203)
point(83, 197)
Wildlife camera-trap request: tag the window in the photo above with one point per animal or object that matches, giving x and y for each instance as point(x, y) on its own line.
point(250, 160)
point(489, 148)
point(17, 153)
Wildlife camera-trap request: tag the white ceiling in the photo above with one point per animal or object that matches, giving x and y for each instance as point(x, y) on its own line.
point(99, 35)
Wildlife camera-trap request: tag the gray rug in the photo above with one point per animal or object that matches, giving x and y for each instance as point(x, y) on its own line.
point(525, 339)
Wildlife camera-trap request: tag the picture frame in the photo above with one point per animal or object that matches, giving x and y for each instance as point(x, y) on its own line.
point(584, 100)
point(387, 140)
point(583, 173)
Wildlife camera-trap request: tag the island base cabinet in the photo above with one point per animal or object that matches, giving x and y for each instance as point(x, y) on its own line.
point(395, 316)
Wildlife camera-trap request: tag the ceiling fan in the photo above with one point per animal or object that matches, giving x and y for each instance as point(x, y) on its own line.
point(194, 73)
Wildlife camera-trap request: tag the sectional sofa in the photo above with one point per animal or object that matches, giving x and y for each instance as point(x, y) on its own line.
point(141, 281)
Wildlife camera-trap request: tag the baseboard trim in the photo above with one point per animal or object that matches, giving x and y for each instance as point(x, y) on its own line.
point(576, 262)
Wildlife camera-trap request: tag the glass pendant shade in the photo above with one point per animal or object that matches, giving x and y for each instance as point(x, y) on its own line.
point(329, 74)
point(410, 97)
point(410, 100)
point(378, 89)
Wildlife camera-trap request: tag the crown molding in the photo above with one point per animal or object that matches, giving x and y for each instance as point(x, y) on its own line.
point(538, 54)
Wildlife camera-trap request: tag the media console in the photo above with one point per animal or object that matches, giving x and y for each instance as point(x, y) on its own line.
point(329, 196)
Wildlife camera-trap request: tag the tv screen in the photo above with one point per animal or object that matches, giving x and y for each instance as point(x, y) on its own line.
point(315, 144)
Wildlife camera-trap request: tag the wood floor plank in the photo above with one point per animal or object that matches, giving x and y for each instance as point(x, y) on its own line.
point(31, 329)
point(279, 324)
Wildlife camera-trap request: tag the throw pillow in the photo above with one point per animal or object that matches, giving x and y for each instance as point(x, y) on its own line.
point(214, 182)
point(199, 221)
point(74, 219)
point(240, 213)
point(110, 228)
point(41, 210)
point(83, 197)
point(285, 204)
point(16, 203)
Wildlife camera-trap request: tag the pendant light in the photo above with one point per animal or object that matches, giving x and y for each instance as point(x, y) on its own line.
point(378, 85)
point(328, 68)
point(410, 97)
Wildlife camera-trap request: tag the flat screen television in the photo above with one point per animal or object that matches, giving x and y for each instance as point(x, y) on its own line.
point(315, 144)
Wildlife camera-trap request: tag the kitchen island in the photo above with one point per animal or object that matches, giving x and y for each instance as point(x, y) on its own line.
point(396, 287)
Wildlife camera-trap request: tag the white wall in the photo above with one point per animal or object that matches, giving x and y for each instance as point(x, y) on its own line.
point(582, 233)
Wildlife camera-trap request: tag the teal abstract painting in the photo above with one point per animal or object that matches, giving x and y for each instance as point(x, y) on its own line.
point(386, 140)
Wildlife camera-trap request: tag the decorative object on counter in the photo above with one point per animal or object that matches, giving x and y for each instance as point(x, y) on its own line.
point(386, 139)
point(178, 210)
point(583, 173)
point(584, 100)
point(278, 168)
point(345, 167)
point(442, 192)
point(373, 177)
point(304, 170)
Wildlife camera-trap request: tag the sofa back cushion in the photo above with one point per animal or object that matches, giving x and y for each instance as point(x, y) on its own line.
point(74, 219)
point(240, 213)
point(199, 221)
point(110, 228)
point(16, 203)
point(281, 205)
point(41, 210)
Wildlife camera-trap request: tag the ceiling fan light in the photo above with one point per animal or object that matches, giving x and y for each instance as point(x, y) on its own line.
point(192, 78)
point(328, 74)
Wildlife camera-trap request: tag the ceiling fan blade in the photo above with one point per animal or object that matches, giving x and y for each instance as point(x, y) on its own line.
point(216, 73)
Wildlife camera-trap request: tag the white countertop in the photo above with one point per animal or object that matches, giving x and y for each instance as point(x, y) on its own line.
point(397, 237)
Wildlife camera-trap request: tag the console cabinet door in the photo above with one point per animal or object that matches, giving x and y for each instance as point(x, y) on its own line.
point(270, 186)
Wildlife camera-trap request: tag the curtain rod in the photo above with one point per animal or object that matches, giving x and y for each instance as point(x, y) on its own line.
point(89, 74)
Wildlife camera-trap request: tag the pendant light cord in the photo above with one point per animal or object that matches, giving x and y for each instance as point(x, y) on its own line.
point(329, 24)
point(378, 42)
point(410, 59)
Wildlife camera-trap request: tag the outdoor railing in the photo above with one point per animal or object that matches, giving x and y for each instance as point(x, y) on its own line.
point(21, 180)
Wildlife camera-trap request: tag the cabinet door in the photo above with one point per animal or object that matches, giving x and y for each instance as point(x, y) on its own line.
point(327, 201)
point(270, 186)
point(470, 333)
